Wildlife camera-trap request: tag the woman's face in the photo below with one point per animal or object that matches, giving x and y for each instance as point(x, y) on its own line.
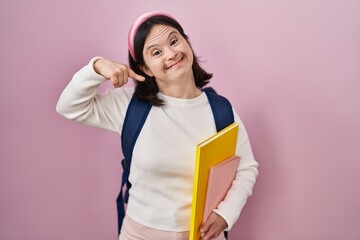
point(167, 54)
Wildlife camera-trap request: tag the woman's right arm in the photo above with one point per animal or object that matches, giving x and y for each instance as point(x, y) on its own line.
point(81, 102)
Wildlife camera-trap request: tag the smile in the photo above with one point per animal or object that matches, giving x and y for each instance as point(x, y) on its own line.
point(175, 64)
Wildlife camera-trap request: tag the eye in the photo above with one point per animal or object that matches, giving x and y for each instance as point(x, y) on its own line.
point(156, 53)
point(174, 41)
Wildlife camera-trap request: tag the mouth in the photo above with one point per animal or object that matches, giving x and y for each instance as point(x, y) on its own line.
point(174, 64)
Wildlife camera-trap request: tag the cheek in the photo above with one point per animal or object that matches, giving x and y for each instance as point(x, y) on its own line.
point(155, 67)
point(190, 53)
point(158, 64)
point(191, 56)
point(148, 63)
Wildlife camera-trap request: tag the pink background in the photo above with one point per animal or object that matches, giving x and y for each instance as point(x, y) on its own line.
point(291, 69)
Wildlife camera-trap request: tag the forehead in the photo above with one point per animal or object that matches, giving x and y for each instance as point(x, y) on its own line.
point(158, 32)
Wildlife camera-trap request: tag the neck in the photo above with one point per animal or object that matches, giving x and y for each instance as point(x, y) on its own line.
point(178, 91)
point(182, 88)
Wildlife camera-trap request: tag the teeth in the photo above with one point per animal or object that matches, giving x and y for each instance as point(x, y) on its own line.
point(174, 63)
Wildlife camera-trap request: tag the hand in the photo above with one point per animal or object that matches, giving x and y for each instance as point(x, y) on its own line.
point(117, 73)
point(212, 227)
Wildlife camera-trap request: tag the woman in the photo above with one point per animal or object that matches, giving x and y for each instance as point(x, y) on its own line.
point(169, 77)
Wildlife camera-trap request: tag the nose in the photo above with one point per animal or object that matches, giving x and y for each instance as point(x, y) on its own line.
point(171, 53)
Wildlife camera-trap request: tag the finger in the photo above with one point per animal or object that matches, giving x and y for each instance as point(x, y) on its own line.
point(116, 80)
point(212, 233)
point(205, 227)
point(126, 77)
point(135, 76)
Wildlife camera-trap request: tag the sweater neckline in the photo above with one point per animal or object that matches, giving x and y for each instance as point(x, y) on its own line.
point(182, 101)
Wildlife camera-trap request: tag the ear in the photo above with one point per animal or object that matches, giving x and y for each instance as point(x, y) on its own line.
point(146, 71)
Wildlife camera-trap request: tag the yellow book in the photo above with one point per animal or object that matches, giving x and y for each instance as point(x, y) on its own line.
point(211, 151)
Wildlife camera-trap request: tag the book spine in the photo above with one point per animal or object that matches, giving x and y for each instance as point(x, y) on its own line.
point(193, 231)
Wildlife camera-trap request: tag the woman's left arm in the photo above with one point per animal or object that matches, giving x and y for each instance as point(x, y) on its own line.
point(228, 211)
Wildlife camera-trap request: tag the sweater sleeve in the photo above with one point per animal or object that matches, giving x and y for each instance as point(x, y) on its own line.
point(244, 181)
point(81, 102)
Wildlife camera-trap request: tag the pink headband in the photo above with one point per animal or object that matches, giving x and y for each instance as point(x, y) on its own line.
point(135, 26)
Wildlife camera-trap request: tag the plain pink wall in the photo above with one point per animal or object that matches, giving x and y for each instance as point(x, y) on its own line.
point(291, 69)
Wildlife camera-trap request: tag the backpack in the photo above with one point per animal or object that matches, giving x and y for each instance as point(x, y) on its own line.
point(135, 118)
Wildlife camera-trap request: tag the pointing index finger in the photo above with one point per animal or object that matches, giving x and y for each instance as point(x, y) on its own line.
point(135, 76)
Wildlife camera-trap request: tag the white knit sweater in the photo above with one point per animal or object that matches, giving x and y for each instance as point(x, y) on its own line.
point(163, 159)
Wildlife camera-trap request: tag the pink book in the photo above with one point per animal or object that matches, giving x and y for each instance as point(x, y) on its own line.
point(221, 176)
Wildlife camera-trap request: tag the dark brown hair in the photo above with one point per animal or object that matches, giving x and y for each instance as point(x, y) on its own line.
point(148, 90)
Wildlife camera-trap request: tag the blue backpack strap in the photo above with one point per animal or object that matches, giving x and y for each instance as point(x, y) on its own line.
point(135, 118)
point(221, 109)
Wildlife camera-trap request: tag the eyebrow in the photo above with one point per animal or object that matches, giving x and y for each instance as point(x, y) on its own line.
point(154, 45)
